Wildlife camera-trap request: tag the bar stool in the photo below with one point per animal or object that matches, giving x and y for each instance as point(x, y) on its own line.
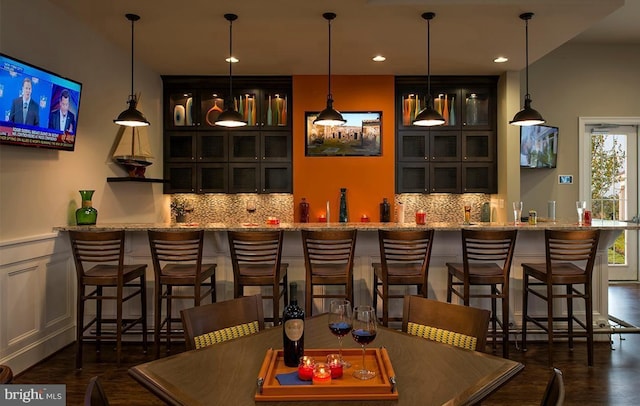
point(177, 262)
point(328, 260)
point(256, 259)
point(563, 250)
point(486, 257)
point(404, 257)
point(103, 251)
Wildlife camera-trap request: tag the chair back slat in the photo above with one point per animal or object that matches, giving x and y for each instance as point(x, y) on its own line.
point(96, 247)
point(329, 247)
point(488, 246)
point(572, 246)
point(255, 248)
point(403, 247)
point(176, 246)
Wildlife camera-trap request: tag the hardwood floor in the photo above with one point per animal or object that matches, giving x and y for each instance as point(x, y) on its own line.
point(611, 381)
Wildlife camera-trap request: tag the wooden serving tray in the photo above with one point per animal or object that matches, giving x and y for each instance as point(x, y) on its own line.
point(381, 387)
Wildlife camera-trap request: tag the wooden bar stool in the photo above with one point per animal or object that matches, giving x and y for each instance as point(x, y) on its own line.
point(328, 260)
point(177, 262)
point(103, 253)
point(256, 259)
point(404, 257)
point(486, 256)
point(570, 256)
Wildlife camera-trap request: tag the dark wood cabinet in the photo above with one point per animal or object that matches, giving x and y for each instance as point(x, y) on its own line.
point(457, 157)
point(200, 157)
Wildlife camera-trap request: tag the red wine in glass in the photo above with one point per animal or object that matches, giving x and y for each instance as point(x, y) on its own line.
point(340, 319)
point(364, 332)
point(363, 337)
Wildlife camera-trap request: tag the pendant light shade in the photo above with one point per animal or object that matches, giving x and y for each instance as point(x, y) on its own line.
point(428, 117)
point(132, 117)
point(329, 116)
point(230, 117)
point(527, 116)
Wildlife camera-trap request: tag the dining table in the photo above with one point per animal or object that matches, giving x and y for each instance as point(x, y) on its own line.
point(426, 372)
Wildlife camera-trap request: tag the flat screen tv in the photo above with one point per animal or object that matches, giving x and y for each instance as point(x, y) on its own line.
point(37, 108)
point(538, 146)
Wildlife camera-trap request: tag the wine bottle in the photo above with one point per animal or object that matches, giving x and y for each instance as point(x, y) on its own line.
point(293, 329)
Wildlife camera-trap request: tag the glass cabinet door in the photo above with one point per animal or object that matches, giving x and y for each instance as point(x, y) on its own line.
point(445, 178)
point(445, 146)
point(275, 108)
point(182, 110)
point(476, 111)
point(446, 101)
point(211, 105)
point(413, 146)
point(478, 146)
point(180, 146)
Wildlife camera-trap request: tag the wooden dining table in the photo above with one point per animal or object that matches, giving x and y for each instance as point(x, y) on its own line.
point(426, 372)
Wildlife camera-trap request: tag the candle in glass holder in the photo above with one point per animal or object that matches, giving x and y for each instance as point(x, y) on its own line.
point(321, 374)
point(421, 217)
point(306, 368)
point(335, 365)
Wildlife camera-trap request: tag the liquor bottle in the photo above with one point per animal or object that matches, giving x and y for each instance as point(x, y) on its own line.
point(385, 211)
point(293, 329)
point(344, 217)
point(304, 211)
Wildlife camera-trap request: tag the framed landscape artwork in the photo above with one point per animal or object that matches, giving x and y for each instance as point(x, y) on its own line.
point(359, 136)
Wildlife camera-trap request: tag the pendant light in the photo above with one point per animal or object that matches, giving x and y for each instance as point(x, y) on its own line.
point(527, 116)
point(329, 116)
point(230, 117)
point(132, 117)
point(428, 117)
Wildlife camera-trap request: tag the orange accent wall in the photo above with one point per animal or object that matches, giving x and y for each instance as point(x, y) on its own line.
point(367, 179)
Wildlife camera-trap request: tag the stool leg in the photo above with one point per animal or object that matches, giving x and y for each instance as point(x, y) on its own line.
point(213, 289)
point(449, 286)
point(550, 322)
point(525, 303)
point(143, 303)
point(79, 326)
point(119, 323)
point(589, 308)
point(570, 314)
point(169, 314)
point(98, 318)
point(385, 304)
point(157, 315)
point(494, 316)
point(505, 322)
point(375, 292)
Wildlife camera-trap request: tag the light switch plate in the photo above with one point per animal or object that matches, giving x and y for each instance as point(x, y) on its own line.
point(565, 179)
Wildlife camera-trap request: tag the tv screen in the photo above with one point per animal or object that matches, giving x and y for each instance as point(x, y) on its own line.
point(37, 108)
point(538, 146)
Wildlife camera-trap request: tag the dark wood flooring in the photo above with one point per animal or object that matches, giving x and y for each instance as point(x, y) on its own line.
point(612, 380)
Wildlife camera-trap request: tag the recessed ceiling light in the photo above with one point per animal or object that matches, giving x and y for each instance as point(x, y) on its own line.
point(379, 58)
point(232, 59)
point(500, 59)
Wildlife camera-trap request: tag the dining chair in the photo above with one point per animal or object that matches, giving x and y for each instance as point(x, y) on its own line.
point(554, 392)
point(486, 261)
point(404, 260)
point(570, 257)
point(99, 260)
point(256, 258)
point(328, 261)
point(177, 263)
point(6, 374)
point(95, 394)
point(217, 322)
point(457, 325)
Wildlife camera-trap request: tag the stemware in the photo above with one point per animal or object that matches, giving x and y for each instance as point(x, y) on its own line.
point(517, 212)
point(251, 208)
point(581, 205)
point(364, 332)
point(340, 323)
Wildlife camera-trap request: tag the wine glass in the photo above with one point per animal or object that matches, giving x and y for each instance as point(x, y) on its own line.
point(251, 208)
point(364, 332)
point(340, 323)
point(581, 205)
point(517, 212)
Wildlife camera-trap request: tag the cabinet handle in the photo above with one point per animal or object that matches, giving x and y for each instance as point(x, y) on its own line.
point(426, 158)
point(433, 158)
point(465, 158)
point(255, 158)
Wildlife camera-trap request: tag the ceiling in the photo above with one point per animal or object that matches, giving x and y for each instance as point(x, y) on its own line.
point(287, 37)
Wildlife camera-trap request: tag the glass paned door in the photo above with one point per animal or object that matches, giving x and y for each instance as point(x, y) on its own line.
point(614, 190)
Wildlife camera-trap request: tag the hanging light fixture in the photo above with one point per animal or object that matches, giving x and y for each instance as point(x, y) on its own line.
point(527, 116)
point(329, 116)
point(132, 117)
point(428, 117)
point(230, 117)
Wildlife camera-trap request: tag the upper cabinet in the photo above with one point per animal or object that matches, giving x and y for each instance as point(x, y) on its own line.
point(457, 157)
point(200, 157)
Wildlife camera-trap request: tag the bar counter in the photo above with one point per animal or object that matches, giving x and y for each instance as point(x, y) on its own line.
point(446, 248)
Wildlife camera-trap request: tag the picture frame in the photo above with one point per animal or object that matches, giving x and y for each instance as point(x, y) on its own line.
point(361, 135)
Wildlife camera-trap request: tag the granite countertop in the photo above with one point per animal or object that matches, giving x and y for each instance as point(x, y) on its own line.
point(600, 224)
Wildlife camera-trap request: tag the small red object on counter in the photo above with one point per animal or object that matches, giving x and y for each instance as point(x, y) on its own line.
point(587, 217)
point(306, 368)
point(364, 219)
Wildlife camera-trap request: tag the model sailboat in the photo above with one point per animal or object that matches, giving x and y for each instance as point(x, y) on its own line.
point(133, 151)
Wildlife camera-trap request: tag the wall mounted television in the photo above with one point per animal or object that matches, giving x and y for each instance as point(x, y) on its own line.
point(38, 108)
point(538, 146)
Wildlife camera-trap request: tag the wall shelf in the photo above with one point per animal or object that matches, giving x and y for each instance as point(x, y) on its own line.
point(132, 179)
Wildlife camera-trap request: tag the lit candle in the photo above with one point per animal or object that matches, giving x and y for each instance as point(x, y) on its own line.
point(321, 374)
point(364, 218)
point(322, 218)
point(335, 365)
point(305, 368)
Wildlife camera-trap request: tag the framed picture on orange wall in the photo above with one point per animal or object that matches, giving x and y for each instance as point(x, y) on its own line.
point(360, 136)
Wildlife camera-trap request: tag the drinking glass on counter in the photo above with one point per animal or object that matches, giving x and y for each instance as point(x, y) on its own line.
point(581, 205)
point(517, 212)
point(340, 323)
point(364, 332)
point(251, 208)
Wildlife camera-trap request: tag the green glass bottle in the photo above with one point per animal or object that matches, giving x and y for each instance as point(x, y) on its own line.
point(86, 215)
point(344, 217)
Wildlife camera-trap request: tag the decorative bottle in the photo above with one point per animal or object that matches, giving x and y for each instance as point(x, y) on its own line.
point(86, 215)
point(344, 217)
point(293, 329)
point(304, 211)
point(385, 211)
